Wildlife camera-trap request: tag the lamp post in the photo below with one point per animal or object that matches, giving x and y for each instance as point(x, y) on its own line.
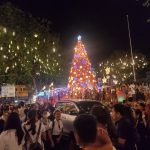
point(133, 63)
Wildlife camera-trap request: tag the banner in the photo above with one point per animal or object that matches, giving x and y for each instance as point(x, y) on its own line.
point(8, 91)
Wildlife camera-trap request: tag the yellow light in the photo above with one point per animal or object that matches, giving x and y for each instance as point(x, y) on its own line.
point(5, 30)
point(115, 81)
point(107, 70)
point(4, 56)
point(80, 67)
point(54, 50)
point(13, 33)
point(35, 35)
point(1, 48)
point(104, 80)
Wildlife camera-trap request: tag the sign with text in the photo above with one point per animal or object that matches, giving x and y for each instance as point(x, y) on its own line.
point(8, 91)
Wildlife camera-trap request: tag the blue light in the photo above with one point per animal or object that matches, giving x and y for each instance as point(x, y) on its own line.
point(84, 84)
point(75, 79)
point(75, 67)
point(79, 38)
point(83, 61)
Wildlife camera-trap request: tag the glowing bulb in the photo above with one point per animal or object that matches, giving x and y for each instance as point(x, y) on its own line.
point(54, 50)
point(5, 30)
point(79, 38)
point(17, 47)
point(4, 56)
point(1, 48)
point(35, 35)
point(13, 33)
point(6, 69)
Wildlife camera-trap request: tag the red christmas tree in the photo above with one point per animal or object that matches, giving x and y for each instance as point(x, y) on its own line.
point(81, 77)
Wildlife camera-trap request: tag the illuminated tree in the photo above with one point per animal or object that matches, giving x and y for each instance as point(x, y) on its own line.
point(28, 50)
point(81, 75)
point(120, 67)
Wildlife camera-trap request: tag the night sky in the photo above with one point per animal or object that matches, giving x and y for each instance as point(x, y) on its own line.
point(101, 23)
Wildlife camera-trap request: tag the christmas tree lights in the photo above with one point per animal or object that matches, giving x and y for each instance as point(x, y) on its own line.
point(81, 78)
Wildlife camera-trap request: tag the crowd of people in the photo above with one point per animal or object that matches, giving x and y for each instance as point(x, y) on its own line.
point(138, 91)
point(30, 127)
point(108, 126)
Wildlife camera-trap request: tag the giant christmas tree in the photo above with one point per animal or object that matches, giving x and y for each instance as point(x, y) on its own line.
point(81, 78)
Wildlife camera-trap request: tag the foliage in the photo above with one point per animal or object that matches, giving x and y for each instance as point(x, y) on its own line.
point(29, 52)
point(120, 66)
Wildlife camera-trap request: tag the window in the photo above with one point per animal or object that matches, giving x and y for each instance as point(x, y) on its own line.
point(61, 107)
point(70, 109)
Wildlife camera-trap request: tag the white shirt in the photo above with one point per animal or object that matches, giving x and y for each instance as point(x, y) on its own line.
point(47, 125)
point(33, 137)
point(58, 127)
point(9, 141)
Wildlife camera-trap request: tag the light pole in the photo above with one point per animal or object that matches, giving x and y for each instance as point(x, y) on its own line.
point(133, 63)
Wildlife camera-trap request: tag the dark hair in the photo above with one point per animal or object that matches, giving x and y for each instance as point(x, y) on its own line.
point(21, 104)
point(13, 122)
point(142, 105)
point(139, 114)
point(85, 126)
point(103, 116)
point(125, 111)
point(32, 116)
point(119, 108)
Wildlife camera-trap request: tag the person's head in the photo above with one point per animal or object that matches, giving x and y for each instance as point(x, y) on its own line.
point(33, 117)
point(5, 114)
point(118, 111)
point(142, 106)
point(45, 114)
point(21, 104)
point(138, 114)
point(85, 130)
point(13, 122)
point(103, 117)
point(57, 114)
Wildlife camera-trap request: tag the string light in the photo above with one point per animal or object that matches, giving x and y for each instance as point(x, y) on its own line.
point(81, 76)
point(23, 58)
point(121, 68)
point(35, 35)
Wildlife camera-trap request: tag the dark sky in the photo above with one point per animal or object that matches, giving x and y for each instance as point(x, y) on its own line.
point(102, 23)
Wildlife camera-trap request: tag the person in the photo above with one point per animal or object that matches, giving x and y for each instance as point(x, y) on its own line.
point(85, 131)
point(141, 128)
point(125, 128)
point(12, 136)
point(21, 110)
point(57, 129)
point(104, 122)
point(48, 142)
point(3, 119)
point(147, 111)
point(33, 127)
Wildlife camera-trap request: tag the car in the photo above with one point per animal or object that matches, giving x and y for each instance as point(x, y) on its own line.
point(70, 109)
